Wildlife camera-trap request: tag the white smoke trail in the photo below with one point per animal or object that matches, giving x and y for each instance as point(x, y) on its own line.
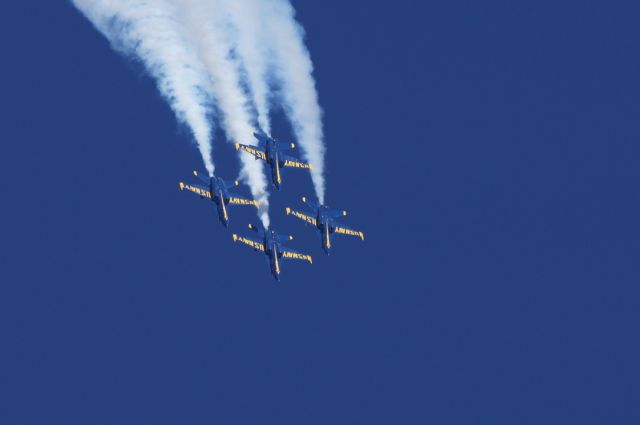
point(210, 29)
point(203, 50)
point(147, 30)
point(294, 72)
point(251, 46)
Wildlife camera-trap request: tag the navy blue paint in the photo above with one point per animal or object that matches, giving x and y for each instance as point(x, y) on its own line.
point(488, 150)
point(217, 190)
point(323, 218)
point(272, 153)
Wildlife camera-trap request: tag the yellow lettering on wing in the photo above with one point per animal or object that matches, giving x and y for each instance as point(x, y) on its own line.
point(241, 201)
point(344, 231)
point(296, 164)
point(253, 151)
point(251, 243)
point(304, 217)
point(296, 256)
point(197, 190)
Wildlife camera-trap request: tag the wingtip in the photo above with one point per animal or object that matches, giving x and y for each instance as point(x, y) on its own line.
point(288, 210)
point(195, 173)
point(235, 237)
point(181, 185)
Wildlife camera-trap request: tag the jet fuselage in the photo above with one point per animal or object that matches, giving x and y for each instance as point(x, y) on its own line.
point(323, 223)
point(219, 194)
point(273, 251)
point(273, 159)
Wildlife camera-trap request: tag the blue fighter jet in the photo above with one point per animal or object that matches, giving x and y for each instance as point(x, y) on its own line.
point(272, 152)
point(270, 243)
point(323, 218)
point(217, 190)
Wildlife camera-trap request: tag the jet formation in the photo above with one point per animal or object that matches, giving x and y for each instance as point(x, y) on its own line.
point(267, 241)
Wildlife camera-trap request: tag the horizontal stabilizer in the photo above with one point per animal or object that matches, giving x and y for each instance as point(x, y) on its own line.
point(309, 203)
point(203, 177)
point(228, 184)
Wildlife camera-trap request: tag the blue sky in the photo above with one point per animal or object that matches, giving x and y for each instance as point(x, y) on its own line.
point(488, 151)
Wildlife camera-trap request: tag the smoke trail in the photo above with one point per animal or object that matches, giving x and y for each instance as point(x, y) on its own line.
point(148, 31)
point(293, 70)
point(248, 27)
point(228, 51)
point(210, 29)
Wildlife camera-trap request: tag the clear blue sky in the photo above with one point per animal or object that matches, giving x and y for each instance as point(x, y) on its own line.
point(488, 150)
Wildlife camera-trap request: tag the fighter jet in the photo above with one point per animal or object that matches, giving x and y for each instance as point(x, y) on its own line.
point(270, 243)
point(217, 190)
point(323, 218)
point(272, 152)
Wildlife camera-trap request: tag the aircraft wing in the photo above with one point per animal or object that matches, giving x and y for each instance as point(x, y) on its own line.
point(258, 153)
point(239, 200)
point(290, 254)
point(304, 217)
point(345, 230)
point(197, 189)
point(256, 245)
point(289, 161)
